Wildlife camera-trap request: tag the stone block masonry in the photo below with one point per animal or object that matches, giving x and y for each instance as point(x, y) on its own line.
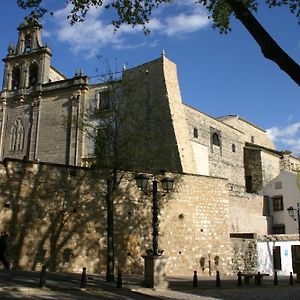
point(56, 215)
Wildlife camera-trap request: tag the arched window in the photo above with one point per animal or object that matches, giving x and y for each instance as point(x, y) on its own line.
point(16, 75)
point(216, 139)
point(195, 133)
point(33, 74)
point(28, 43)
point(233, 147)
point(17, 136)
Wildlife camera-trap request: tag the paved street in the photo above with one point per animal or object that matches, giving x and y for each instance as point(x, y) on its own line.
point(24, 285)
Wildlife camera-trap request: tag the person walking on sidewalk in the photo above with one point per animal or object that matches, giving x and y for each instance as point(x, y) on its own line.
point(3, 247)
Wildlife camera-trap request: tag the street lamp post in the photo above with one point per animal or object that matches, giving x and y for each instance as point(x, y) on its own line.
point(291, 210)
point(155, 262)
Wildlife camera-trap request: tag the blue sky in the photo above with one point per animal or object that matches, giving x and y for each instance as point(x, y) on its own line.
point(218, 74)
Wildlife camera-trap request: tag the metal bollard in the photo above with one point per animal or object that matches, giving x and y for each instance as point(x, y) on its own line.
point(258, 279)
point(43, 277)
point(218, 279)
point(119, 279)
point(195, 279)
point(275, 278)
point(83, 280)
point(291, 280)
point(239, 274)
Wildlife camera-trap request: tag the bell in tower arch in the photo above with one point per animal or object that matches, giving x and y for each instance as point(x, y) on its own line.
point(16, 76)
point(33, 74)
point(28, 43)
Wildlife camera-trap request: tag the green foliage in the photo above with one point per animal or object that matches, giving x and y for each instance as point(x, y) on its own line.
point(138, 12)
point(221, 10)
point(132, 12)
point(35, 5)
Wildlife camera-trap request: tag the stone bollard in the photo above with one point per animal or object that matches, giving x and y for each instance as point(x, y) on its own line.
point(83, 280)
point(258, 279)
point(119, 279)
point(43, 277)
point(218, 279)
point(275, 278)
point(239, 274)
point(291, 280)
point(195, 279)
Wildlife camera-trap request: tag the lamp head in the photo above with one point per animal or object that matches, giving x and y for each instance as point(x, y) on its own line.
point(167, 184)
point(291, 212)
point(142, 181)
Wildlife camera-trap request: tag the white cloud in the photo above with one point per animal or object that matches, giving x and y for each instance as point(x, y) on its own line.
point(185, 23)
point(287, 136)
point(276, 133)
point(96, 32)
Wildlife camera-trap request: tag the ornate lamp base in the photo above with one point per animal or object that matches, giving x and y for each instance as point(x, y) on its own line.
point(155, 275)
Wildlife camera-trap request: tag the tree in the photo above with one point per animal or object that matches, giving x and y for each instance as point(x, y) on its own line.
point(135, 12)
point(106, 122)
point(101, 125)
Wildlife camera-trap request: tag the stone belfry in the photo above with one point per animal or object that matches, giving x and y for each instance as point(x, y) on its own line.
point(27, 65)
point(27, 68)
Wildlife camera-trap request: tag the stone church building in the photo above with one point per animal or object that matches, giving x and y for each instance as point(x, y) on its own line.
point(220, 165)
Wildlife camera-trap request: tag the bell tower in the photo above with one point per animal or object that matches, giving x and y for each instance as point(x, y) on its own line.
point(28, 64)
point(27, 68)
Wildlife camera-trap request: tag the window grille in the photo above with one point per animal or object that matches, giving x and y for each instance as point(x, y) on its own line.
point(277, 203)
point(102, 99)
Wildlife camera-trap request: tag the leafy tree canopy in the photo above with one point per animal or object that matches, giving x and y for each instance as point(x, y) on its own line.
point(138, 12)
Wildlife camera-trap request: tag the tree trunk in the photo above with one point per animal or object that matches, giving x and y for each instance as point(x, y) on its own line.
point(110, 235)
point(269, 47)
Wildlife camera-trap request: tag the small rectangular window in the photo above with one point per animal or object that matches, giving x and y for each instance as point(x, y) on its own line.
point(278, 185)
point(102, 99)
point(252, 139)
point(195, 133)
point(277, 203)
point(278, 229)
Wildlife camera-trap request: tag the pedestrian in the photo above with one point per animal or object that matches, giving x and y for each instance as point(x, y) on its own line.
point(3, 247)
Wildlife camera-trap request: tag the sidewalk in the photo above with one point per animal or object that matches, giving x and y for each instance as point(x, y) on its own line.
point(18, 284)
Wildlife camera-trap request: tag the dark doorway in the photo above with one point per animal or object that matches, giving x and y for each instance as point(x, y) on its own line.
point(249, 184)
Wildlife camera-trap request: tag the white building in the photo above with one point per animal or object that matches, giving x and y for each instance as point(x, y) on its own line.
point(278, 253)
point(281, 193)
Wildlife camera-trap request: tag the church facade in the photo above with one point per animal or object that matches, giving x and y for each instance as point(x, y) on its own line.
point(39, 106)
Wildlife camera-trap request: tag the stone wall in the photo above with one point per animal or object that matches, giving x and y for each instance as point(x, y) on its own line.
point(156, 120)
point(222, 160)
point(194, 226)
point(290, 163)
point(57, 215)
point(252, 133)
point(246, 214)
point(262, 166)
point(244, 256)
point(48, 113)
point(270, 166)
point(253, 168)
